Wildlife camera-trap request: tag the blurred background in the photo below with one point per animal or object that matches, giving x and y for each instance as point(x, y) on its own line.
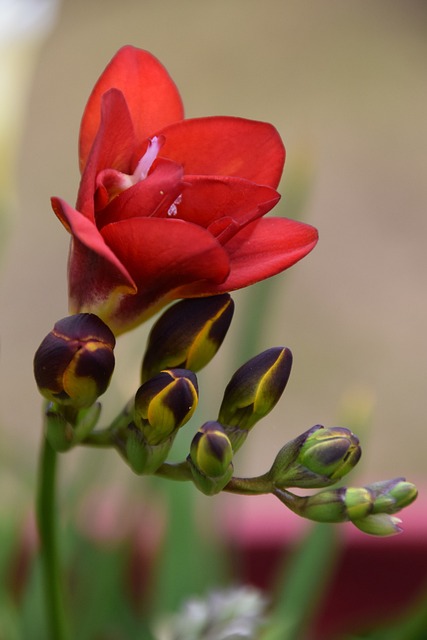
point(345, 84)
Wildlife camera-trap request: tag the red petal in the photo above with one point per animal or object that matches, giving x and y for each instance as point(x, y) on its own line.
point(262, 249)
point(209, 199)
point(95, 273)
point(151, 95)
point(162, 254)
point(226, 146)
point(150, 197)
point(112, 148)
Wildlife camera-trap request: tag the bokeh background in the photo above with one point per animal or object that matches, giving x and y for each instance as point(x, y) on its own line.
point(345, 84)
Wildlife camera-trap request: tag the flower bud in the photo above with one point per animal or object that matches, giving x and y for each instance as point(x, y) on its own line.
point(210, 458)
point(369, 508)
point(188, 334)
point(164, 403)
point(74, 363)
point(379, 524)
point(317, 458)
point(390, 496)
point(253, 391)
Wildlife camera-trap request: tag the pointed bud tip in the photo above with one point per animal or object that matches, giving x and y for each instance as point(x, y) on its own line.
point(255, 388)
point(188, 334)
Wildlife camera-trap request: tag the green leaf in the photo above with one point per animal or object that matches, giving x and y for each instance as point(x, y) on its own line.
point(304, 581)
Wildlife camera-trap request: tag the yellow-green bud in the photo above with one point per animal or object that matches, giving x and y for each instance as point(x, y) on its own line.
point(74, 363)
point(253, 391)
point(188, 334)
point(317, 458)
point(325, 506)
point(210, 458)
point(379, 524)
point(164, 403)
point(390, 496)
point(368, 508)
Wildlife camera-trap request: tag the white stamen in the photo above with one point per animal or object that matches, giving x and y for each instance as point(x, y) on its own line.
point(144, 165)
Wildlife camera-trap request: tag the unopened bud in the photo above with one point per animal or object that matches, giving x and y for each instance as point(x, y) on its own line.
point(74, 363)
point(389, 496)
point(164, 403)
point(317, 458)
point(188, 334)
point(368, 508)
point(210, 458)
point(253, 391)
point(379, 524)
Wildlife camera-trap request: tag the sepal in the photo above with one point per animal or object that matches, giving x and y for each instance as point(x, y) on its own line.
point(143, 458)
point(65, 428)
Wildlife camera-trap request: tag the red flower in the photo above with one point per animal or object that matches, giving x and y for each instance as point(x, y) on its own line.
point(170, 208)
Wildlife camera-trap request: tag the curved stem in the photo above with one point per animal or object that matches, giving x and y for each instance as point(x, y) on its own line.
point(244, 486)
point(178, 471)
point(47, 526)
point(249, 486)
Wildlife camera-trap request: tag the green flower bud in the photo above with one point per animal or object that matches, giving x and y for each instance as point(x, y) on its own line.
point(325, 506)
point(164, 403)
point(389, 496)
point(74, 363)
point(317, 458)
point(210, 458)
point(358, 502)
point(369, 508)
point(253, 391)
point(188, 334)
point(379, 524)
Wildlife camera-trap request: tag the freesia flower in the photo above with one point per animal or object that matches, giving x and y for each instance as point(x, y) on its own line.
point(170, 207)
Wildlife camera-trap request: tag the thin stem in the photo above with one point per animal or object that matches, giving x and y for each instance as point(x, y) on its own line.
point(293, 502)
point(47, 525)
point(249, 486)
point(179, 471)
point(243, 486)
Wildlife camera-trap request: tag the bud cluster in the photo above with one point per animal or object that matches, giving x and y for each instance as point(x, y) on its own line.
point(371, 508)
point(73, 367)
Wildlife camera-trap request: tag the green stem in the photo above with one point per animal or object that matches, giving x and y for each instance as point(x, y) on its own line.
point(243, 486)
point(293, 502)
point(47, 525)
point(179, 471)
point(250, 486)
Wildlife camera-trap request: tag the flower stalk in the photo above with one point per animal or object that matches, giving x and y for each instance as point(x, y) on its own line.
point(49, 547)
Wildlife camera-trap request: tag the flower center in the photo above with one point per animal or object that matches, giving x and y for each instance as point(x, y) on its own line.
point(113, 182)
